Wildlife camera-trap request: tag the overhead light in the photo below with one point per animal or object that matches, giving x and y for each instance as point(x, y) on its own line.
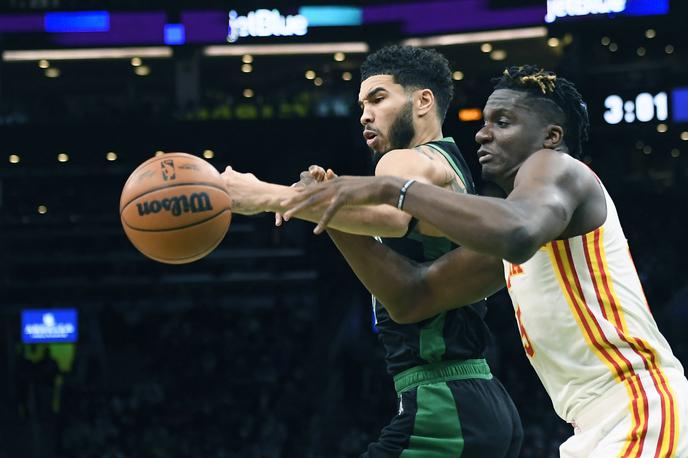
point(136, 61)
point(62, 157)
point(661, 128)
point(478, 37)
point(159, 153)
point(354, 47)
point(568, 39)
point(92, 53)
point(470, 114)
point(605, 41)
point(52, 72)
point(347, 76)
point(248, 93)
point(208, 154)
point(684, 136)
point(318, 81)
point(310, 74)
point(650, 33)
point(339, 56)
point(14, 159)
point(111, 156)
point(669, 49)
point(486, 47)
point(246, 68)
point(43, 63)
point(647, 149)
point(457, 75)
point(675, 152)
point(640, 51)
point(498, 54)
point(143, 70)
point(42, 209)
point(247, 58)
point(613, 47)
point(553, 42)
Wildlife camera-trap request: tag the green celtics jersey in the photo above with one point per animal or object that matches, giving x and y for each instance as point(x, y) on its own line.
point(457, 334)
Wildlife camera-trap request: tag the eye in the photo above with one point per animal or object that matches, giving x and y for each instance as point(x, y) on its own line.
point(502, 122)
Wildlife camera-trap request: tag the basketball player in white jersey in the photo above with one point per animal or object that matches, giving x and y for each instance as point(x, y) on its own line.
point(581, 311)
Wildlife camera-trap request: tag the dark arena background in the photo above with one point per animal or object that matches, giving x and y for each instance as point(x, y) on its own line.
point(265, 348)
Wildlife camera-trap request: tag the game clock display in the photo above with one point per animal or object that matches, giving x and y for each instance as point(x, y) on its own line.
point(646, 107)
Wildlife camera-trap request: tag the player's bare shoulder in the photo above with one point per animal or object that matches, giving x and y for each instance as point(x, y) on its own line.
point(557, 168)
point(409, 163)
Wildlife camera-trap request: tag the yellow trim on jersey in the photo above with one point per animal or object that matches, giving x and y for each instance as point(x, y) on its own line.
point(611, 306)
point(618, 365)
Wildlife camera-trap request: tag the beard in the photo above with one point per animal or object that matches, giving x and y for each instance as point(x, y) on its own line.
point(401, 133)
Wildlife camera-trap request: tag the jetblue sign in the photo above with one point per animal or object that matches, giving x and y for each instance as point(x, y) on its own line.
point(52, 325)
point(265, 23)
point(562, 8)
point(557, 9)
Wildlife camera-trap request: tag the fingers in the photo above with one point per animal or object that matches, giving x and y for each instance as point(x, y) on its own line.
point(303, 200)
point(278, 219)
point(317, 172)
point(327, 216)
point(330, 175)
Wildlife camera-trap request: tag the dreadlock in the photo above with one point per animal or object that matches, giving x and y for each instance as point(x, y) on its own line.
point(541, 84)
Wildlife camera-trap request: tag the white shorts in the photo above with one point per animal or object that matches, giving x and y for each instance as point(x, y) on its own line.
point(610, 427)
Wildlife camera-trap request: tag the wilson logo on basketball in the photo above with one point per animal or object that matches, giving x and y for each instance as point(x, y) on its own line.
point(196, 202)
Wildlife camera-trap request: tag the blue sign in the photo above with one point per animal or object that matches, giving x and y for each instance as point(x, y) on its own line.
point(557, 9)
point(49, 325)
point(78, 21)
point(327, 16)
point(679, 103)
point(175, 34)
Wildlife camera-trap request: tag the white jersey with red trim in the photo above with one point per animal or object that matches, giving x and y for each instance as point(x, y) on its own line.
point(586, 326)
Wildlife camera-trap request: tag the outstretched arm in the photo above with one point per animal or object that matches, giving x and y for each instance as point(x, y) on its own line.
point(250, 196)
point(547, 190)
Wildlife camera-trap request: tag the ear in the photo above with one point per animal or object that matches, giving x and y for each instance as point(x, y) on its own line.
point(425, 101)
point(555, 136)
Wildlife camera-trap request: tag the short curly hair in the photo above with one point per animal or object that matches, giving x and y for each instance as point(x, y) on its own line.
point(414, 68)
point(544, 85)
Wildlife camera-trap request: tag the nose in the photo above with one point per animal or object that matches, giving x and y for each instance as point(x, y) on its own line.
point(367, 116)
point(484, 135)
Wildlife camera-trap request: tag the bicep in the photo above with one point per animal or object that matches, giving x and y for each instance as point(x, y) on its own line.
point(546, 195)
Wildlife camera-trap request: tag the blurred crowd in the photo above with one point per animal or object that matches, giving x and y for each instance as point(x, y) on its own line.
point(301, 375)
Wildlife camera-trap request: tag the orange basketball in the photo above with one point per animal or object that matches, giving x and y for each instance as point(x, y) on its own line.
point(175, 208)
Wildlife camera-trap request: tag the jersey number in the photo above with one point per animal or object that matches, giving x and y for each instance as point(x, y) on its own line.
point(524, 335)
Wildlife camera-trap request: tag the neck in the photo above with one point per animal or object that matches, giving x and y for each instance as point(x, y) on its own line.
point(425, 134)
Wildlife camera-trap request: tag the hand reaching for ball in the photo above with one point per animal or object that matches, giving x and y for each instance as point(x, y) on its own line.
point(314, 174)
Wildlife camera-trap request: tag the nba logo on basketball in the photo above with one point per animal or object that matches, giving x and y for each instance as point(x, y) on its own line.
point(168, 172)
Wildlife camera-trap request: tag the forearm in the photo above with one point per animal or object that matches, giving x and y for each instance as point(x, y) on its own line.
point(371, 220)
point(487, 225)
point(413, 292)
point(393, 279)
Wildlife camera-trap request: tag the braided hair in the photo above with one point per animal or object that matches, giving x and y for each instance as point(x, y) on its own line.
point(547, 86)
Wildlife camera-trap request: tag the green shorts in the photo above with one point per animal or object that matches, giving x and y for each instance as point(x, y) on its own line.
point(451, 409)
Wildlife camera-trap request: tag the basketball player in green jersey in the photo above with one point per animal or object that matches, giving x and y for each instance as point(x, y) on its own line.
point(450, 405)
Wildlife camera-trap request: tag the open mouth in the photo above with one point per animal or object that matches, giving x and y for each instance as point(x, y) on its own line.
point(370, 137)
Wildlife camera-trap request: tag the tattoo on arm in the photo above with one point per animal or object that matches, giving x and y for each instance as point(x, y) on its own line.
point(422, 151)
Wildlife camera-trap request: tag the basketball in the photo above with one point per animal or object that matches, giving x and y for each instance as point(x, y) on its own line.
point(174, 208)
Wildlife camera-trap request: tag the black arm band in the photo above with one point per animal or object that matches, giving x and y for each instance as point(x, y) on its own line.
point(402, 193)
